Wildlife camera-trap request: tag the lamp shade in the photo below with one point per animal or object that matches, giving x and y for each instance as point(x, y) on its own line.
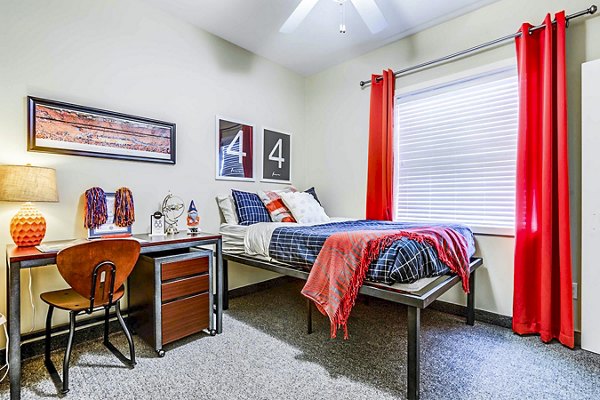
point(27, 183)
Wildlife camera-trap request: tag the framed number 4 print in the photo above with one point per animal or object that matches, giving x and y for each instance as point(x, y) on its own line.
point(276, 157)
point(235, 150)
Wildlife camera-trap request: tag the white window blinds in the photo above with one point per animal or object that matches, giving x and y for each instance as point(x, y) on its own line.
point(455, 152)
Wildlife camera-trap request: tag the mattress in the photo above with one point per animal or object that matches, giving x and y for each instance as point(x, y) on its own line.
point(254, 241)
point(233, 238)
point(405, 260)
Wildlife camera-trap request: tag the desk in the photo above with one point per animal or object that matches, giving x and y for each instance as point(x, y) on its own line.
point(18, 258)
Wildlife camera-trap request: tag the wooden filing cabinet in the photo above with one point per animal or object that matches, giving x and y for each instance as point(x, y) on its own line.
point(170, 296)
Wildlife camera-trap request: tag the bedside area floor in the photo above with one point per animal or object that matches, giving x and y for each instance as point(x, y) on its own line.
point(264, 353)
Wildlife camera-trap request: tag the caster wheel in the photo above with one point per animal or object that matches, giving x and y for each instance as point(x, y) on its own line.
point(161, 353)
point(212, 332)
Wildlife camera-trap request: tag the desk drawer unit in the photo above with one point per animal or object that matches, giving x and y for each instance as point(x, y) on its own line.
point(184, 287)
point(179, 269)
point(170, 297)
point(183, 317)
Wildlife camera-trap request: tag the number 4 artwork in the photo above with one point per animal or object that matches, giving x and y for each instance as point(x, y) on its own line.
point(234, 150)
point(276, 157)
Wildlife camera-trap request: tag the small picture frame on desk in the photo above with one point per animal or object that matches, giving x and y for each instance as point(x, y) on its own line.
point(109, 228)
point(157, 224)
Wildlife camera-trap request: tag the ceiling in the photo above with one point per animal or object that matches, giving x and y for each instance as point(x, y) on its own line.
point(317, 43)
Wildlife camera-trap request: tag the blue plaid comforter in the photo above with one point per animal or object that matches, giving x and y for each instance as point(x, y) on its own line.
point(404, 261)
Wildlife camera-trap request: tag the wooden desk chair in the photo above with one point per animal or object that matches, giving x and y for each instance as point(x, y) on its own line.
point(96, 272)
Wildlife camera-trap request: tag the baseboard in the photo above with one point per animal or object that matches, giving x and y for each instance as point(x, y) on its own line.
point(32, 344)
point(484, 316)
point(487, 317)
point(449, 308)
point(93, 328)
point(260, 286)
point(480, 315)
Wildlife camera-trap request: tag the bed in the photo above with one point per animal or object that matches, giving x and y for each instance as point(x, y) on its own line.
point(267, 245)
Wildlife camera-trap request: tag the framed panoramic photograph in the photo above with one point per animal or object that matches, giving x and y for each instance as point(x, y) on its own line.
point(235, 150)
point(63, 128)
point(108, 228)
point(276, 156)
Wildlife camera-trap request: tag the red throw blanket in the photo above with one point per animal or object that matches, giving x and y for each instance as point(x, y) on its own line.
point(342, 264)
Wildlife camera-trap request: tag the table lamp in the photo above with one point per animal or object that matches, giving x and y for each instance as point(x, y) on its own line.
point(25, 183)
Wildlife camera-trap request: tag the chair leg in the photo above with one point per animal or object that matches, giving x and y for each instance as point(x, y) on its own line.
point(309, 325)
point(127, 334)
point(47, 341)
point(106, 315)
point(67, 359)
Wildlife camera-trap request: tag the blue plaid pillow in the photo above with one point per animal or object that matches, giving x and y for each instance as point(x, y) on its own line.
point(250, 208)
point(313, 193)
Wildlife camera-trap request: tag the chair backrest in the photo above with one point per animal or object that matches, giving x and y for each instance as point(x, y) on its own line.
point(95, 269)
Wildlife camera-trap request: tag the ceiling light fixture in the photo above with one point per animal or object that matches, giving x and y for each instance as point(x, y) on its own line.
point(342, 4)
point(367, 9)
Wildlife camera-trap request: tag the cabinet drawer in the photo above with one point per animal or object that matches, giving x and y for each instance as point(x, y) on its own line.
point(184, 287)
point(184, 317)
point(183, 268)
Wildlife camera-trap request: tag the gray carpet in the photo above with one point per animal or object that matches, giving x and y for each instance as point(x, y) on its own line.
point(265, 354)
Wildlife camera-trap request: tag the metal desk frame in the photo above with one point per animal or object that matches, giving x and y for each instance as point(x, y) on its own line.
point(415, 301)
point(18, 259)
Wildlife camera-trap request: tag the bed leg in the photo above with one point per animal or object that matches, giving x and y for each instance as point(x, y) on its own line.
point(471, 300)
point(309, 328)
point(413, 353)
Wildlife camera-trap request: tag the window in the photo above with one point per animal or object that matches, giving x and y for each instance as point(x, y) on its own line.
point(455, 152)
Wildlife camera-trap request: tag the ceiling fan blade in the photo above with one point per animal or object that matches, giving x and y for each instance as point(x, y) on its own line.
point(297, 16)
point(371, 14)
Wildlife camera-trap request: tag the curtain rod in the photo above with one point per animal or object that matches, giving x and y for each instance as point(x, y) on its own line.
point(591, 10)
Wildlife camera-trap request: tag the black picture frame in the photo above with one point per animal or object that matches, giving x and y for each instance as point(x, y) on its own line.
point(234, 156)
point(87, 122)
point(276, 160)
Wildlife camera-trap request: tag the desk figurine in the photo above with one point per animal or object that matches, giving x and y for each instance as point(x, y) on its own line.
point(193, 219)
point(172, 208)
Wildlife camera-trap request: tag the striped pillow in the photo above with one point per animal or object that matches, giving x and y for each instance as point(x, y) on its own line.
point(277, 210)
point(250, 209)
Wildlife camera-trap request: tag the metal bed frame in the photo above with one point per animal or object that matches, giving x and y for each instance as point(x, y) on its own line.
point(414, 301)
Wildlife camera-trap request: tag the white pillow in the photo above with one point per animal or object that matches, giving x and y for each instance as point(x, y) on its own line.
point(227, 207)
point(304, 207)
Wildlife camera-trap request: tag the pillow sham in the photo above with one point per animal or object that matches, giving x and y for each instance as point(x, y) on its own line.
point(275, 206)
point(227, 207)
point(304, 207)
point(250, 208)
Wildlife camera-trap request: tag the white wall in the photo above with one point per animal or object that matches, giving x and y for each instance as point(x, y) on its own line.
point(337, 113)
point(590, 208)
point(129, 57)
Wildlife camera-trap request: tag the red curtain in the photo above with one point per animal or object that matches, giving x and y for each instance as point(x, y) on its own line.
point(381, 142)
point(543, 301)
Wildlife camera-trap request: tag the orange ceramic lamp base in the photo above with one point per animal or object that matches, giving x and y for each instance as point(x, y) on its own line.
point(28, 226)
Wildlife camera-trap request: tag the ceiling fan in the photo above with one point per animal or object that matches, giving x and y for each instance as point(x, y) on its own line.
point(367, 9)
